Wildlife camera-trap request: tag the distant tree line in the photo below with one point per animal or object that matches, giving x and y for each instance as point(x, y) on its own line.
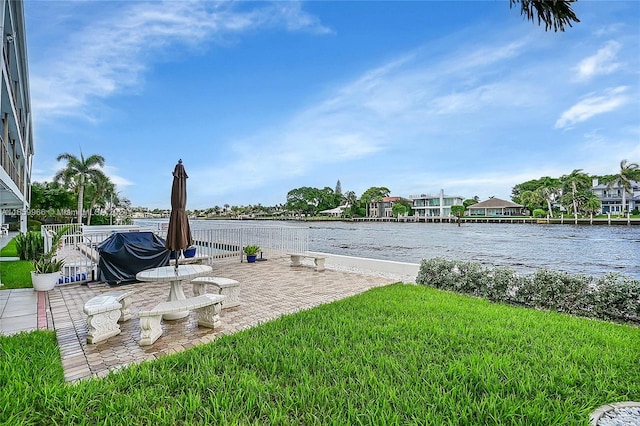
point(572, 192)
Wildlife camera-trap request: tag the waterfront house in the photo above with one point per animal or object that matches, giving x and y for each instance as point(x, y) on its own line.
point(434, 205)
point(383, 208)
point(16, 147)
point(496, 207)
point(611, 198)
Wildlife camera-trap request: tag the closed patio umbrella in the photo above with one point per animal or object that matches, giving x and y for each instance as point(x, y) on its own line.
point(179, 233)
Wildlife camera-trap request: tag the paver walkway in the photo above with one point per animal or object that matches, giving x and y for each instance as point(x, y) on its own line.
point(268, 290)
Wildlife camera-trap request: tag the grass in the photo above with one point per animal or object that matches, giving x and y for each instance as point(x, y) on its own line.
point(14, 273)
point(401, 354)
point(10, 250)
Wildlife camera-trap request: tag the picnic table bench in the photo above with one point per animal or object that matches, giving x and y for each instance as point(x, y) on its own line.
point(104, 312)
point(318, 260)
point(207, 306)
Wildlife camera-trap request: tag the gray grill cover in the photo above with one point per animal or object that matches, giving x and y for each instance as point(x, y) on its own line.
point(124, 254)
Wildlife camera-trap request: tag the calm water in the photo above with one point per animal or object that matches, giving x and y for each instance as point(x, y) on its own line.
point(591, 250)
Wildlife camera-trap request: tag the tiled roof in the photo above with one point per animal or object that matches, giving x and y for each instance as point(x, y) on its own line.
point(495, 203)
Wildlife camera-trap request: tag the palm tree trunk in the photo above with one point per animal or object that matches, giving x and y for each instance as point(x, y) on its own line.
point(549, 207)
point(624, 199)
point(80, 201)
point(575, 204)
point(89, 213)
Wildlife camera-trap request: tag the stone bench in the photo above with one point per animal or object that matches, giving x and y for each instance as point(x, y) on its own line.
point(104, 312)
point(317, 260)
point(207, 306)
point(224, 286)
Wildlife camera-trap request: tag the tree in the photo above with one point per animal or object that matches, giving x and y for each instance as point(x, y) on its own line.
point(470, 201)
point(549, 190)
point(519, 189)
point(554, 13)
point(532, 200)
point(592, 205)
point(303, 200)
point(577, 181)
point(77, 172)
point(375, 193)
point(351, 200)
point(628, 172)
point(50, 196)
point(97, 189)
point(458, 211)
point(401, 207)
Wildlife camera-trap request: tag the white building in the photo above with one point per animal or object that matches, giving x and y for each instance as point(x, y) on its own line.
point(435, 205)
point(16, 139)
point(611, 198)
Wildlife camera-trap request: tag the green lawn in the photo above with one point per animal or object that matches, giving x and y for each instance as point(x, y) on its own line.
point(14, 273)
point(10, 250)
point(401, 354)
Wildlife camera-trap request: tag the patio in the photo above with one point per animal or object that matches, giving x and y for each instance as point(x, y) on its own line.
point(268, 290)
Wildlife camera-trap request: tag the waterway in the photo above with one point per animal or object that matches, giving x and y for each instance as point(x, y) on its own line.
point(584, 249)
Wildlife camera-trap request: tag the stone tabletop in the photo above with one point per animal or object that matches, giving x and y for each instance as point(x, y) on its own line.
point(170, 273)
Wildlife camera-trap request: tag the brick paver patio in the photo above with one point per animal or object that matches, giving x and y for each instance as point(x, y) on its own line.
point(267, 290)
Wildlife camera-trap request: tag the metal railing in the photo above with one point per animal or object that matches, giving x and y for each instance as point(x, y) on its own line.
point(227, 242)
point(79, 245)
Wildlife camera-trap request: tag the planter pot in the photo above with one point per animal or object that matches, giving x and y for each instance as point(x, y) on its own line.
point(251, 258)
point(190, 252)
point(44, 282)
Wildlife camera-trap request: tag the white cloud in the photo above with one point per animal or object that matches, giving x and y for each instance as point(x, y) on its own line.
point(592, 105)
point(110, 55)
point(601, 63)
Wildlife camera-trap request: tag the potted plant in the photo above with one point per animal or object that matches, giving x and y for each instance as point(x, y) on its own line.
point(46, 267)
point(251, 251)
point(46, 272)
point(190, 251)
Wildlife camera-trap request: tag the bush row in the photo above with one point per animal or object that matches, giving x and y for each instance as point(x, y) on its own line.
point(612, 297)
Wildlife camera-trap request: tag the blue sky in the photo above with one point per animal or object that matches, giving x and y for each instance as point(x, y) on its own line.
point(258, 98)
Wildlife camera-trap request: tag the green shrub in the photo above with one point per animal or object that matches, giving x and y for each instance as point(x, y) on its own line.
point(30, 245)
point(457, 211)
point(539, 213)
point(33, 225)
point(612, 297)
point(617, 298)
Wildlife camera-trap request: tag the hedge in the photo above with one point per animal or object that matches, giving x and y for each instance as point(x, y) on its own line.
point(612, 297)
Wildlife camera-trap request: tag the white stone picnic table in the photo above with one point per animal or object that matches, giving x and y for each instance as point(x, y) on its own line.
point(174, 276)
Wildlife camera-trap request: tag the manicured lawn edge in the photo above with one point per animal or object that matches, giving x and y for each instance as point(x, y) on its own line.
point(400, 354)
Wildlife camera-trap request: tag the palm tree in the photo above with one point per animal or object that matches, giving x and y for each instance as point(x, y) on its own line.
point(100, 188)
point(549, 190)
point(628, 172)
point(77, 172)
point(592, 205)
point(577, 180)
point(554, 13)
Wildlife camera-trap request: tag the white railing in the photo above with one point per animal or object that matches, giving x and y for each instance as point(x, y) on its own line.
point(79, 246)
point(228, 242)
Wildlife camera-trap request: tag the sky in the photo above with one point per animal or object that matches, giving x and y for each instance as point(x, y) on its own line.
point(259, 98)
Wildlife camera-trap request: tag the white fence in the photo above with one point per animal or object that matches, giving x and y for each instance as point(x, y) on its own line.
point(79, 246)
